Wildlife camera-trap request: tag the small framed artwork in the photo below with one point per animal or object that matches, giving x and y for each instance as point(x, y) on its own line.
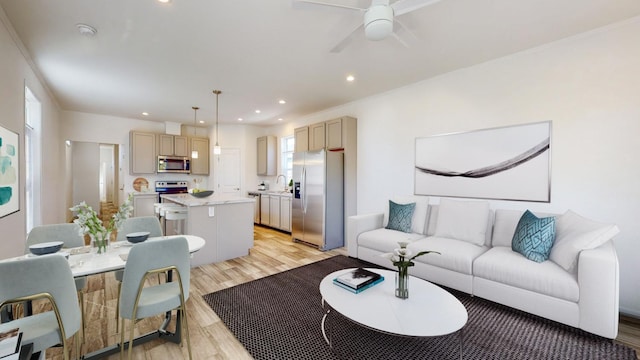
point(506, 163)
point(9, 178)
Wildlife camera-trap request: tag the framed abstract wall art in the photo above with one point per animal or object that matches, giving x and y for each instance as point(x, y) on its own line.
point(9, 179)
point(506, 163)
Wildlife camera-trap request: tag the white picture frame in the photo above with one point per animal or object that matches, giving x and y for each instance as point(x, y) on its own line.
point(505, 163)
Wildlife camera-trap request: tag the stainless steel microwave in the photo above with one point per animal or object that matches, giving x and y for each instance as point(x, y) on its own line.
point(174, 164)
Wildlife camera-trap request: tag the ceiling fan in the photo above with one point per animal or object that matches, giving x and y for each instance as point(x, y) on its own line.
point(379, 19)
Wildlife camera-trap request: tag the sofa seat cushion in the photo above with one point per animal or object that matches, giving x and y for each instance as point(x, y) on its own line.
point(505, 266)
point(385, 240)
point(455, 255)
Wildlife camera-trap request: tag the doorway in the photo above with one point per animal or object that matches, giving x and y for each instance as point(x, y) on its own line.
point(95, 175)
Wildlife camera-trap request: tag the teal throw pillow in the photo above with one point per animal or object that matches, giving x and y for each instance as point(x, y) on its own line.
point(400, 216)
point(534, 236)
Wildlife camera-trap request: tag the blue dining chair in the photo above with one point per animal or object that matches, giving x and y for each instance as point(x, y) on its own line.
point(43, 277)
point(70, 235)
point(140, 299)
point(131, 225)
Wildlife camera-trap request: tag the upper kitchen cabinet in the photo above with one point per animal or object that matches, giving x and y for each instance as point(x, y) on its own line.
point(316, 136)
point(267, 148)
point(142, 153)
point(200, 165)
point(301, 137)
point(334, 134)
point(173, 145)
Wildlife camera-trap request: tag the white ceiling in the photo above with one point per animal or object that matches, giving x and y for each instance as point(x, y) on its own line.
point(166, 58)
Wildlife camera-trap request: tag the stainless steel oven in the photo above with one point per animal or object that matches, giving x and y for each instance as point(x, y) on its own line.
point(170, 187)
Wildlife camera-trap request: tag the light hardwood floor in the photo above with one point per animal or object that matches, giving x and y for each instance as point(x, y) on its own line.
point(273, 252)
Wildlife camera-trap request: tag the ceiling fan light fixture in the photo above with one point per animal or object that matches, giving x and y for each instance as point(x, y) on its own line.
point(378, 22)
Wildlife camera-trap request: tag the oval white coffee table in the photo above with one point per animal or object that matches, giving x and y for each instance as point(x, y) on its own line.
point(429, 310)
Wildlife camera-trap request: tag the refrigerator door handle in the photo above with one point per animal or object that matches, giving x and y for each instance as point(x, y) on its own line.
point(303, 189)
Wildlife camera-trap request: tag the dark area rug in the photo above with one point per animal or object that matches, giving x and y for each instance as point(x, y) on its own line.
point(278, 317)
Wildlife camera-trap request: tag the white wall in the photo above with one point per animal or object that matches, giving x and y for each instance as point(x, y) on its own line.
point(15, 74)
point(588, 85)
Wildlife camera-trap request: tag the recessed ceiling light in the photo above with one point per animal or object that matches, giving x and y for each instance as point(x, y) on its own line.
point(239, 119)
point(280, 119)
point(258, 111)
point(350, 78)
point(86, 30)
point(282, 101)
point(145, 113)
point(164, 1)
point(201, 121)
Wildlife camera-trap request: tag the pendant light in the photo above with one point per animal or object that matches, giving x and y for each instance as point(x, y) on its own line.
point(216, 148)
point(194, 153)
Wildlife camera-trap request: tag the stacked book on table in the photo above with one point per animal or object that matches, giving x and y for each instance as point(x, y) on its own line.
point(358, 280)
point(10, 343)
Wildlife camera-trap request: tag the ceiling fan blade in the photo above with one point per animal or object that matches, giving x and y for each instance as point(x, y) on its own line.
point(402, 33)
point(404, 6)
point(301, 3)
point(346, 41)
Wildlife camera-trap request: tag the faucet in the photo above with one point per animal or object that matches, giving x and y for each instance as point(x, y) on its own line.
point(284, 180)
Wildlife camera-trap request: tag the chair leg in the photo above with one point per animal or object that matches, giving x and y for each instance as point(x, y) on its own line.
point(122, 340)
point(185, 327)
point(133, 324)
point(82, 320)
point(118, 306)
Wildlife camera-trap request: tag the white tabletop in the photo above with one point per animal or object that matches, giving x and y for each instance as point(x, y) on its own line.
point(429, 310)
point(90, 263)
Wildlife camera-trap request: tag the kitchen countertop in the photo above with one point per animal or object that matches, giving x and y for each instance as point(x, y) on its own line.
point(189, 200)
point(270, 192)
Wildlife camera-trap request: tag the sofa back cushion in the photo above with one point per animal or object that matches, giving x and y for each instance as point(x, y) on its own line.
point(420, 212)
point(575, 233)
point(463, 220)
point(504, 226)
point(433, 221)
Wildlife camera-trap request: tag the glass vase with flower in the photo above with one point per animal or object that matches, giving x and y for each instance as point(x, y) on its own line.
point(100, 234)
point(402, 258)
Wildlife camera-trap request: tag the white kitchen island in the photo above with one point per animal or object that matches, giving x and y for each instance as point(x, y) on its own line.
point(224, 222)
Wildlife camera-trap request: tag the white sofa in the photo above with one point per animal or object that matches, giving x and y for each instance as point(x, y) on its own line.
point(583, 296)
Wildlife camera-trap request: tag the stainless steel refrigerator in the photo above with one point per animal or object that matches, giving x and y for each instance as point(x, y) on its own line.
point(317, 215)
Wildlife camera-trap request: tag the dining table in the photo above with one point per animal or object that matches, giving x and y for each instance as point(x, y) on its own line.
point(84, 261)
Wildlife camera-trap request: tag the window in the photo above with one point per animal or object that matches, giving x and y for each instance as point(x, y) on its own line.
point(287, 147)
point(32, 127)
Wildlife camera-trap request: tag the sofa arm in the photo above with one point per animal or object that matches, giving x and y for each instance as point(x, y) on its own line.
point(598, 279)
point(356, 225)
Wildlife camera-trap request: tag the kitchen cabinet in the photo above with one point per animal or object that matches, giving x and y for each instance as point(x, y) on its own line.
point(316, 136)
point(274, 211)
point(301, 139)
point(267, 148)
point(334, 134)
point(264, 209)
point(143, 204)
point(200, 166)
point(142, 153)
point(285, 213)
point(173, 145)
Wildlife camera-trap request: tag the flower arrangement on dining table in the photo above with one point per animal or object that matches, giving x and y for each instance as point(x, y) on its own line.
point(91, 224)
point(402, 258)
